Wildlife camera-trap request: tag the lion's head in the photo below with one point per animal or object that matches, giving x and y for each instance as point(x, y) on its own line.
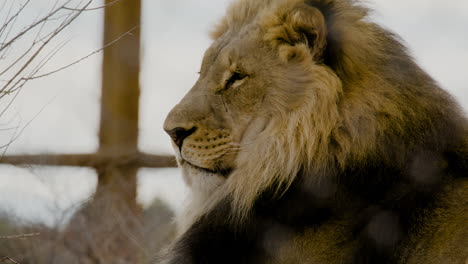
point(282, 89)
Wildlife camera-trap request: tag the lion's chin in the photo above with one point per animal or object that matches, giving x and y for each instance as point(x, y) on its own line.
point(222, 172)
point(202, 182)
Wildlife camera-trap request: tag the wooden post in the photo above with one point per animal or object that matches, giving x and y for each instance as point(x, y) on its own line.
point(118, 134)
point(113, 219)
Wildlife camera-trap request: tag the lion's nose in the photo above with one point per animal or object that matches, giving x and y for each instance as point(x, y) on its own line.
point(178, 134)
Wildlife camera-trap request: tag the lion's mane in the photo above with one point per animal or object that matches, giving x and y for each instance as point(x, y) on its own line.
point(374, 102)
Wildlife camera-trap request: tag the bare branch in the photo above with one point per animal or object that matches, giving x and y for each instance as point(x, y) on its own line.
point(10, 19)
point(55, 33)
point(29, 28)
point(83, 58)
point(8, 14)
point(17, 134)
point(9, 259)
point(94, 8)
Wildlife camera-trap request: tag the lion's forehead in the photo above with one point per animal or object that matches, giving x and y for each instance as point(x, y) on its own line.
point(235, 43)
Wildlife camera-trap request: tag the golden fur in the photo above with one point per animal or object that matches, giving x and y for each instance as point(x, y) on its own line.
point(316, 96)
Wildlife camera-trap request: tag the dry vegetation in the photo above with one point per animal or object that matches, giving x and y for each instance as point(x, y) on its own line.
point(94, 235)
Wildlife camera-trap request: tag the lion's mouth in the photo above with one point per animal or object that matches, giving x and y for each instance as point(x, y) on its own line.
point(218, 171)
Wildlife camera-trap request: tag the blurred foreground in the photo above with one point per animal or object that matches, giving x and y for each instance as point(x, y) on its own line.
point(104, 231)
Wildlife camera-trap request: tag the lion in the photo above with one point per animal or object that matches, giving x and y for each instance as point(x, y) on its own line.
point(312, 136)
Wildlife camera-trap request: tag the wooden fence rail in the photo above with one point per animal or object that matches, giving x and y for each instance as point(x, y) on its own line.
point(93, 160)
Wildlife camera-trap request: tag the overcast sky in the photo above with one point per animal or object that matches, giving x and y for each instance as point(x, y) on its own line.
point(64, 107)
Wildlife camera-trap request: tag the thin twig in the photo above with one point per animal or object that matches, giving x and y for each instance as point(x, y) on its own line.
point(10, 259)
point(6, 23)
point(18, 134)
point(56, 32)
point(94, 8)
point(83, 58)
point(6, 18)
point(40, 21)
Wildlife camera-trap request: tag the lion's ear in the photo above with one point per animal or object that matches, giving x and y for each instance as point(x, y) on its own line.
point(301, 25)
point(309, 22)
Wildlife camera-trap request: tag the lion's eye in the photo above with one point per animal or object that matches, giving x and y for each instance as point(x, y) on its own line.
point(236, 76)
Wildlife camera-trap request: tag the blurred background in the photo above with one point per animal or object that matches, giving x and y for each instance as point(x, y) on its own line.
point(98, 114)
